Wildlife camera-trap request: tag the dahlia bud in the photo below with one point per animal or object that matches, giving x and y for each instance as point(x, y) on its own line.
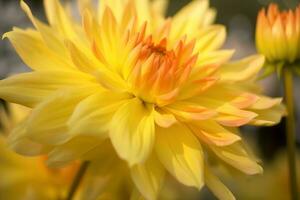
point(278, 35)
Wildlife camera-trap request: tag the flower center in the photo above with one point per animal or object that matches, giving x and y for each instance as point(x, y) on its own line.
point(159, 72)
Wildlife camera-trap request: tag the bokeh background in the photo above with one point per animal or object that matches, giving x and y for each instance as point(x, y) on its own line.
point(239, 16)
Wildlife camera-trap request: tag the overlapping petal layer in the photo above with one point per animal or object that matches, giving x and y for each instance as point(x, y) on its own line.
point(159, 89)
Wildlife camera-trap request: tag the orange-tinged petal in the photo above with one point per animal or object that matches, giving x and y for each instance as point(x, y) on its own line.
point(188, 111)
point(234, 117)
point(265, 103)
point(245, 100)
point(279, 38)
point(212, 133)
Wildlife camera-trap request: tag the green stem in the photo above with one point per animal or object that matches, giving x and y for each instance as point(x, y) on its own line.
point(290, 130)
point(77, 180)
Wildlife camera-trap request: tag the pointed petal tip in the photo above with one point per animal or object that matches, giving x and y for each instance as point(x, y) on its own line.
point(200, 185)
point(257, 170)
point(24, 6)
point(5, 35)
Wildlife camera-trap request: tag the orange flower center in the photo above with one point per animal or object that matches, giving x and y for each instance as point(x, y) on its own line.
point(159, 73)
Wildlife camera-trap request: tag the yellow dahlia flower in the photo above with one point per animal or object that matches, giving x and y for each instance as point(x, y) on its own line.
point(278, 36)
point(157, 88)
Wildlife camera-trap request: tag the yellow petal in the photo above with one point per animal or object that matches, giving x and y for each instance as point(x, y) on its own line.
point(292, 36)
point(72, 150)
point(190, 18)
point(197, 87)
point(143, 10)
point(164, 119)
point(107, 43)
point(181, 154)
point(31, 88)
point(216, 186)
point(93, 114)
point(221, 94)
point(86, 5)
point(245, 100)
point(27, 147)
point(269, 117)
point(242, 70)
point(211, 132)
point(18, 142)
point(47, 123)
point(210, 38)
point(34, 52)
point(279, 39)
point(83, 60)
point(59, 19)
point(265, 102)
point(89, 64)
point(210, 17)
point(236, 156)
point(212, 58)
point(187, 111)
point(48, 34)
point(116, 6)
point(160, 7)
point(132, 131)
point(148, 177)
point(234, 117)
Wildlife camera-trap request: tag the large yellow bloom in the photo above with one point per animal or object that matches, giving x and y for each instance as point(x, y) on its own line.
point(158, 88)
